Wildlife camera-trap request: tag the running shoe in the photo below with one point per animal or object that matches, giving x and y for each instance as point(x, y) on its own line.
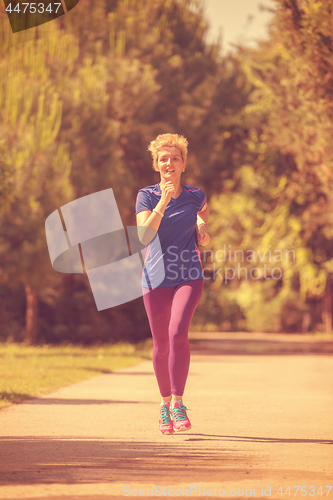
point(179, 416)
point(165, 424)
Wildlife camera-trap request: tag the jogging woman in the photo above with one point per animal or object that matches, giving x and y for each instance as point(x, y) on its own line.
point(179, 214)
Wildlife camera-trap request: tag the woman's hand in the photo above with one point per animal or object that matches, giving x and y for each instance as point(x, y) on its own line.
point(168, 190)
point(203, 236)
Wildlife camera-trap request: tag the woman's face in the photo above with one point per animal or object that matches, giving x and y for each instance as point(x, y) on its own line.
point(170, 163)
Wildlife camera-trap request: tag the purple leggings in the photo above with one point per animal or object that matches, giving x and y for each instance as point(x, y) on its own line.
point(170, 310)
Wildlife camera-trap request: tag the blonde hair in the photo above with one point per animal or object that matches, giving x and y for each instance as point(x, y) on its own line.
point(167, 140)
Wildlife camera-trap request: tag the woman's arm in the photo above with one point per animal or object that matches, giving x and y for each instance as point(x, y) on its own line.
point(203, 215)
point(148, 223)
point(202, 221)
point(152, 220)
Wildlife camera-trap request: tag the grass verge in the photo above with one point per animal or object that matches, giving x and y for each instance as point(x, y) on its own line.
point(31, 371)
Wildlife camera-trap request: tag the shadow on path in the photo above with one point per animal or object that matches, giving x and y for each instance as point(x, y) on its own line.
point(252, 439)
point(75, 460)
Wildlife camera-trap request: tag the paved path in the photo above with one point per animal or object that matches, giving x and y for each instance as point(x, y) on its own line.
point(261, 412)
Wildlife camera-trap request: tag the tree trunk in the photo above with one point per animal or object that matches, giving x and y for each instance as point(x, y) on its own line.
point(327, 306)
point(31, 327)
point(306, 321)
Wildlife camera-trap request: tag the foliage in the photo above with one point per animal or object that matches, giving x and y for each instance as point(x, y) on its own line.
point(280, 196)
point(79, 104)
point(97, 89)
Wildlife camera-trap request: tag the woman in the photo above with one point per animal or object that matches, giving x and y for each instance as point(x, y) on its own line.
point(174, 210)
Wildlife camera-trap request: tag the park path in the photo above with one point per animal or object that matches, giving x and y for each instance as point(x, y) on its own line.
point(261, 413)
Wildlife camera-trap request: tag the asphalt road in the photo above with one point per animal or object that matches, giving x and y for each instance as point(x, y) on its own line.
point(262, 422)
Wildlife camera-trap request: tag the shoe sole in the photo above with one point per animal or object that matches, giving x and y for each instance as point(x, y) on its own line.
point(183, 428)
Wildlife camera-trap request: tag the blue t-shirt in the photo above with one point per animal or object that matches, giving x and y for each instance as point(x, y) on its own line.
point(178, 240)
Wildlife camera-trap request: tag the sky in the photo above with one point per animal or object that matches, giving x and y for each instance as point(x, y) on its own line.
point(239, 21)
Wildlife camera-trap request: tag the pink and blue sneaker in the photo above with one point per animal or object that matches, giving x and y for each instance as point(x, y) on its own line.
point(179, 416)
point(165, 423)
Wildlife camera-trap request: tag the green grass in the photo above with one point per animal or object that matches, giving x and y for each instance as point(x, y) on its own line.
point(31, 371)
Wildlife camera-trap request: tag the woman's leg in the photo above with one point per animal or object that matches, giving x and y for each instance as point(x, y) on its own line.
point(185, 299)
point(158, 304)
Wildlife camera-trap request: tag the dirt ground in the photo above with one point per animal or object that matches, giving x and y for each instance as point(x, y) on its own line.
point(261, 408)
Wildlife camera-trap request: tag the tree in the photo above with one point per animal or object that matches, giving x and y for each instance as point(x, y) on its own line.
point(92, 100)
point(36, 167)
point(281, 196)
